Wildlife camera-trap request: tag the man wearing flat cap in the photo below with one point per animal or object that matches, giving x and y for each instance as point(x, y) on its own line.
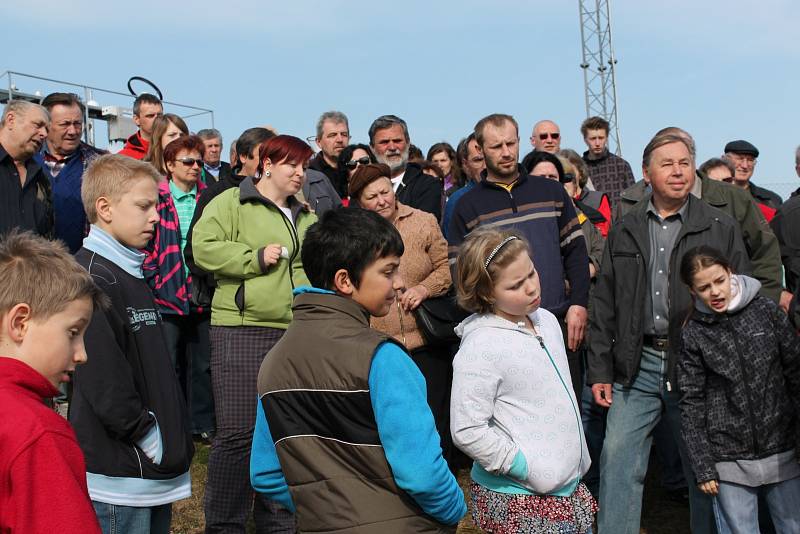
point(744, 155)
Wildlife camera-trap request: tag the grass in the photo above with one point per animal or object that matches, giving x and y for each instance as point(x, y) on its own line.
point(659, 515)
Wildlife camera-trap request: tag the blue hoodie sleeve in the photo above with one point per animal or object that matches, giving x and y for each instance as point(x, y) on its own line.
point(266, 475)
point(409, 437)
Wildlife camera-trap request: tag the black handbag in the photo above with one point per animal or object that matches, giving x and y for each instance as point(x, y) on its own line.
point(437, 317)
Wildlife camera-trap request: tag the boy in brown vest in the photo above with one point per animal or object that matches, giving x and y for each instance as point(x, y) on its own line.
point(344, 436)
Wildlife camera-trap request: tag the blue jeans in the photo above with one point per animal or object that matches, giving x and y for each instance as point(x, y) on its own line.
point(635, 411)
point(736, 507)
point(116, 519)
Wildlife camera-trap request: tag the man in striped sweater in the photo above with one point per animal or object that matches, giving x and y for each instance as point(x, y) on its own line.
point(539, 209)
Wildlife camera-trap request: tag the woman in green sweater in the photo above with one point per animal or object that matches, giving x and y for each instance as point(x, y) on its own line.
point(249, 237)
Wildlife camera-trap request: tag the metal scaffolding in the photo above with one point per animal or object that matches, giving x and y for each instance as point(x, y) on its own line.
point(599, 66)
point(114, 109)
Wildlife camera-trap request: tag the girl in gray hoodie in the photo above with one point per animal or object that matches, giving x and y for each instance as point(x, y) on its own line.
point(512, 408)
point(739, 377)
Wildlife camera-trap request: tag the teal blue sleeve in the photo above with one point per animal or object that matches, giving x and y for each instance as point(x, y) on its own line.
point(519, 467)
point(408, 435)
point(266, 476)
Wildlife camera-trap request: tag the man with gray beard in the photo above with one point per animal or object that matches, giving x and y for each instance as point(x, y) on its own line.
point(389, 140)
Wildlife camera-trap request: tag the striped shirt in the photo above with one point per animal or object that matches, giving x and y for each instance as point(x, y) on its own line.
point(541, 211)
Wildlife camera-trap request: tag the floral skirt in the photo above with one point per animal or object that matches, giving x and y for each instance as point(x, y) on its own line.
point(503, 513)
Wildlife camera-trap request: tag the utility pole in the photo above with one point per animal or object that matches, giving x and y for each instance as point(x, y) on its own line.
point(599, 66)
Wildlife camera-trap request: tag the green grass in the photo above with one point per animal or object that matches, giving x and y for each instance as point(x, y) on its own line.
point(660, 516)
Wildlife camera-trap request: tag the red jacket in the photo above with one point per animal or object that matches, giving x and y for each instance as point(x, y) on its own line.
point(42, 472)
point(136, 146)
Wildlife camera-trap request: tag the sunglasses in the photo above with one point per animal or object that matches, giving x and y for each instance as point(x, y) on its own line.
point(191, 161)
point(353, 163)
point(544, 136)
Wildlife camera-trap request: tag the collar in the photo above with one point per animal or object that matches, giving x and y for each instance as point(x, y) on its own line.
point(591, 156)
point(24, 376)
point(128, 259)
point(179, 194)
point(320, 305)
point(49, 156)
point(681, 213)
point(216, 167)
point(403, 211)
point(249, 193)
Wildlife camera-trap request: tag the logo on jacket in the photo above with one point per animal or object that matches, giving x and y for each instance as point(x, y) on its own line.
point(145, 317)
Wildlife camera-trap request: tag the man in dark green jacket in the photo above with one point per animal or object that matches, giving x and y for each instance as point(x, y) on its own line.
point(760, 242)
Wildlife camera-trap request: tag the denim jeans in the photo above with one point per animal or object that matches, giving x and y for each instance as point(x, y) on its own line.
point(736, 507)
point(635, 411)
point(593, 417)
point(116, 519)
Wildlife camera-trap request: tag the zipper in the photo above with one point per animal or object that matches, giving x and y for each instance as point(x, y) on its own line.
point(513, 203)
point(400, 316)
point(749, 400)
point(295, 244)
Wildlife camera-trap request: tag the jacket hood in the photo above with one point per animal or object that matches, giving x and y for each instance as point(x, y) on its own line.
point(743, 290)
point(477, 322)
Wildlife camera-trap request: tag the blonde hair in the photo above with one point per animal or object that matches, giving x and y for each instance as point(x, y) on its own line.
point(475, 281)
point(111, 176)
point(43, 275)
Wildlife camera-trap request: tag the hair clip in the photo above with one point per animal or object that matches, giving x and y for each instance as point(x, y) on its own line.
point(496, 249)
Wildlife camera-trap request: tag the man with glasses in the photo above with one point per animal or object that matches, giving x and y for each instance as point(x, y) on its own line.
point(390, 142)
point(608, 172)
point(744, 156)
point(64, 158)
point(546, 137)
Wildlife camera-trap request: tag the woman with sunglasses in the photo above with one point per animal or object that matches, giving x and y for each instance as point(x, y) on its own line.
point(185, 325)
point(166, 129)
point(249, 238)
point(349, 160)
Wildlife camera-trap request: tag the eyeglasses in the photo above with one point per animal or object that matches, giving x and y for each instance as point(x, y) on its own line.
point(191, 161)
point(554, 135)
point(353, 163)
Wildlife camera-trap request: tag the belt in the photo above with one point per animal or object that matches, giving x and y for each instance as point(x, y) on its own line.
point(657, 342)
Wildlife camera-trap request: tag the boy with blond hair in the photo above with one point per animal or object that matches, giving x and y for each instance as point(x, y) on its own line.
point(46, 303)
point(126, 406)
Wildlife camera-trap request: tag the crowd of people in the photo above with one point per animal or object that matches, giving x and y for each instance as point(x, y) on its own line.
point(348, 329)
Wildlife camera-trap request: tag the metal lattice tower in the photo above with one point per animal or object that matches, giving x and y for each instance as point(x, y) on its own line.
point(599, 65)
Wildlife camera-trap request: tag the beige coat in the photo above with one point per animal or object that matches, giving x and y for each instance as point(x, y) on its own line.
point(424, 262)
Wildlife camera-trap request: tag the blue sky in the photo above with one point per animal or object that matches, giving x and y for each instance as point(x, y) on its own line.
point(721, 69)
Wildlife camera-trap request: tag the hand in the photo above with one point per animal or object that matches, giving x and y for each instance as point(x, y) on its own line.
point(576, 326)
point(786, 300)
point(592, 270)
point(413, 297)
point(602, 395)
point(272, 253)
point(709, 488)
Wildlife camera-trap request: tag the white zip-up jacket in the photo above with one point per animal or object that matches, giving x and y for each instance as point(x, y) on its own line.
point(510, 397)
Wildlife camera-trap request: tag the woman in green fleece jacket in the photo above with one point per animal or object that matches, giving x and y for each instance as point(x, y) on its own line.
point(249, 237)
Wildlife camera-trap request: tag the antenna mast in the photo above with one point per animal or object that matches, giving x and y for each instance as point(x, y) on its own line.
point(599, 65)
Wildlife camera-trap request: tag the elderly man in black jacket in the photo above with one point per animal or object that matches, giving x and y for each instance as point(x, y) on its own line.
point(389, 140)
point(637, 310)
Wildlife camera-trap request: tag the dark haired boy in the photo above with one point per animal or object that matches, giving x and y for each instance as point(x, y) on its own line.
point(344, 436)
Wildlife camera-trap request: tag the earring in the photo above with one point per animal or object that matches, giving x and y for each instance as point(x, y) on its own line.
point(267, 174)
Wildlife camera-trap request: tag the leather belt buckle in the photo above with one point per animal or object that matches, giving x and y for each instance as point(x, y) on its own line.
point(657, 342)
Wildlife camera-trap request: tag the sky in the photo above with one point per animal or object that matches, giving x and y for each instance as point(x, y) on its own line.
point(721, 69)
